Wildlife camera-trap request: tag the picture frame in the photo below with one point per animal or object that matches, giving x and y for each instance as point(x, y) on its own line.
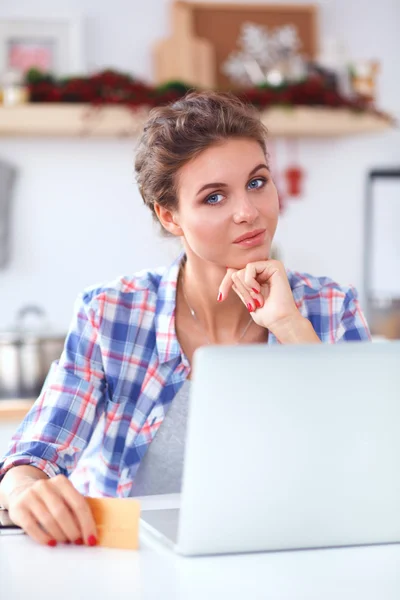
point(382, 252)
point(51, 45)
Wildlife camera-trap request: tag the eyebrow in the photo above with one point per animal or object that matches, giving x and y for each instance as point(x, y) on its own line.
point(220, 184)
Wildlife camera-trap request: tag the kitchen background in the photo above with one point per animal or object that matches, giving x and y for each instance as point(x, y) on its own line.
point(77, 217)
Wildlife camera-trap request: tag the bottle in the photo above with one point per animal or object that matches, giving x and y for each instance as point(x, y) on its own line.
point(13, 89)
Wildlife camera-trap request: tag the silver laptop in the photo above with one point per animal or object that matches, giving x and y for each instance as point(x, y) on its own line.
point(288, 447)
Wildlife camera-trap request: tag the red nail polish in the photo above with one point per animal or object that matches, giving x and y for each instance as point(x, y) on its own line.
point(79, 542)
point(92, 540)
point(52, 543)
point(67, 542)
point(249, 307)
point(258, 303)
point(219, 297)
point(255, 291)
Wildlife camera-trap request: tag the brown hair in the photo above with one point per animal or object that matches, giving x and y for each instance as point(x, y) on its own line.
point(177, 133)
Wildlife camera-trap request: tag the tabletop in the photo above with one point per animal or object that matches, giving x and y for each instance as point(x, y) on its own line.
point(153, 572)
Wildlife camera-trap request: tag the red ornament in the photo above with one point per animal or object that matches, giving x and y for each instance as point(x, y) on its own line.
point(294, 178)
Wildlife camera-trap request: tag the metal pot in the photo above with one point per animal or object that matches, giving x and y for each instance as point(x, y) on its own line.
point(26, 355)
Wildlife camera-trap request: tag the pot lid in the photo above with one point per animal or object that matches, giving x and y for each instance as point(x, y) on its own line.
point(31, 324)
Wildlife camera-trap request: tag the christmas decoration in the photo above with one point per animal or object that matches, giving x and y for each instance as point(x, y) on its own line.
point(293, 174)
point(105, 88)
point(266, 56)
point(334, 58)
point(294, 178)
point(289, 180)
point(363, 78)
point(113, 88)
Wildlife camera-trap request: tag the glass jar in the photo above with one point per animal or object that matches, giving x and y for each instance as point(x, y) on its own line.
point(13, 89)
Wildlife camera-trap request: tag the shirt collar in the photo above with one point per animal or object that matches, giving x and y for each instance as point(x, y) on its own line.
point(168, 347)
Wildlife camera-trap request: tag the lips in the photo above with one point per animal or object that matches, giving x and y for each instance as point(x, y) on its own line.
point(249, 235)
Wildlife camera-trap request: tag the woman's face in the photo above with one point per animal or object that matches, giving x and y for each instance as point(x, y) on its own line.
point(224, 193)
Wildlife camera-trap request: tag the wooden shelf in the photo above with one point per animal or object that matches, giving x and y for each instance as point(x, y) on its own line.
point(79, 120)
point(321, 122)
point(14, 410)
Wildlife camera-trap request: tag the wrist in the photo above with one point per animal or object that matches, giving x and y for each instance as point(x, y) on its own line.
point(295, 329)
point(17, 480)
point(11, 494)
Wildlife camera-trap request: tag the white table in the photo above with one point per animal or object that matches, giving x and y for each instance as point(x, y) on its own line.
point(32, 572)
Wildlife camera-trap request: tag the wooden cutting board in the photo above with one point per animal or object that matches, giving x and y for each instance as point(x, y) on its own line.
point(183, 56)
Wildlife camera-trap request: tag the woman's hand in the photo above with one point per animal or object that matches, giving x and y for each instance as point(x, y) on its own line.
point(51, 511)
point(264, 288)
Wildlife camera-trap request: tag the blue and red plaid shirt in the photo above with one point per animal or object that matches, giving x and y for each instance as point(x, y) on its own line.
point(105, 398)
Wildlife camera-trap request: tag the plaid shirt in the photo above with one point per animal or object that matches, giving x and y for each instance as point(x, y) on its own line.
point(105, 398)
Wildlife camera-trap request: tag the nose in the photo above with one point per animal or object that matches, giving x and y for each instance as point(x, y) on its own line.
point(245, 211)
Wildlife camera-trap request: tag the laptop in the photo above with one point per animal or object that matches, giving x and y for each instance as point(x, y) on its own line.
point(288, 448)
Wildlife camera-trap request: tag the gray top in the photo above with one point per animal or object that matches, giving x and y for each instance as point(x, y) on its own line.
point(160, 471)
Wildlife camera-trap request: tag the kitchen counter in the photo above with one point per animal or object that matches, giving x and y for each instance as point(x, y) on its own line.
point(14, 410)
point(12, 413)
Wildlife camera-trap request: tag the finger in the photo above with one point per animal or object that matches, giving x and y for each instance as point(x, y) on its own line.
point(250, 274)
point(80, 509)
point(243, 293)
point(256, 298)
point(262, 271)
point(59, 511)
point(235, 289)
point(226, 285)
point(43, 517)
point(32, 528)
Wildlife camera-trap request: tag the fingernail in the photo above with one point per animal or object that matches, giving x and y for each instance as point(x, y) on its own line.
point(52, 543)
point(258, 303)
point(92, 540)
point(255, 291)
point(219, 297)
point(67, 542)
point(249, 307)
point(79, 542)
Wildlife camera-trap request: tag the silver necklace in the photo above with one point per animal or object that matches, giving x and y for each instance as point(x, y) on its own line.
point(195, 318)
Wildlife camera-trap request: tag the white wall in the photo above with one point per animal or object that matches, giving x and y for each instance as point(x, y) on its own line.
point(78, 218)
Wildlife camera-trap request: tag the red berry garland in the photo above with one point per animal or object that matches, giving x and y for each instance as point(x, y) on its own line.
point(110, 87)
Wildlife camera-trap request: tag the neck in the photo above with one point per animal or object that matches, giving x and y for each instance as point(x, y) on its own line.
point(221, 322)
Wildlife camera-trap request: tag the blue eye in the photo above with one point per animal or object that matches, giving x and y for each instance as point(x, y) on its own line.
point(254, 184)
point(213, 199)
point(259, 180)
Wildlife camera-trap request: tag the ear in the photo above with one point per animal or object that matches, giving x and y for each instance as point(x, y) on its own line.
point(168, 219)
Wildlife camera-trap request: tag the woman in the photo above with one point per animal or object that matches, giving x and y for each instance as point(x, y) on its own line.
point(202, 169)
